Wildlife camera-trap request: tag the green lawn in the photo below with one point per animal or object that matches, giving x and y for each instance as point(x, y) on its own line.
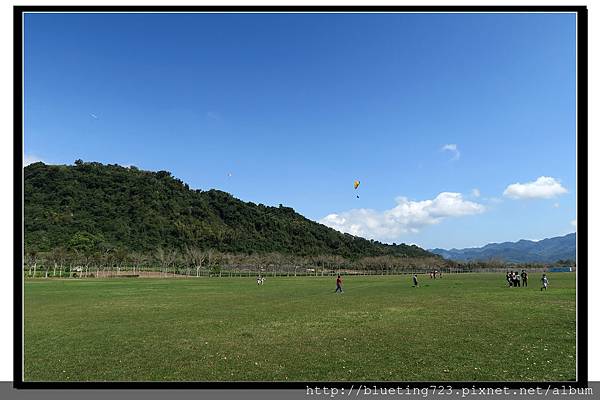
point(461, 327)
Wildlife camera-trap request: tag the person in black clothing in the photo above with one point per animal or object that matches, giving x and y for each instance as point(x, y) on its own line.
point(524, 278)
point(338, 285)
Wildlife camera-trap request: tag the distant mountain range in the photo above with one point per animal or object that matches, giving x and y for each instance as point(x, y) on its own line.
point(543, 251)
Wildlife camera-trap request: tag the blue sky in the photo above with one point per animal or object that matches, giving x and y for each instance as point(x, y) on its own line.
point(436, 114)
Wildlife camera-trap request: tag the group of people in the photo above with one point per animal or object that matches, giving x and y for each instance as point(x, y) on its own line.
point(435, 274)
point(515, 279)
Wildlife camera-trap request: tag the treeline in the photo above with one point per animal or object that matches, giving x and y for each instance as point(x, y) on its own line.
point(62, 262)
point(90, 208)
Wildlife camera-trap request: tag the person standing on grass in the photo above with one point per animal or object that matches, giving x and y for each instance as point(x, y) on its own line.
point(338, 284)
point(544, 283)
point(524, 278)
point(518, 279)
point(508, 279)
point(415, 282)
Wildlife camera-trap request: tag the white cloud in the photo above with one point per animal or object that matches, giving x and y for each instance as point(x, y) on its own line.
point(574, 223)
point(30, 159)
point(544, 187)
point(475, 192)
point(406, 217)
point(453, 148)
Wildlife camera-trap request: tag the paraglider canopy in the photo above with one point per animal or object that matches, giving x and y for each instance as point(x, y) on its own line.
point(356, 185)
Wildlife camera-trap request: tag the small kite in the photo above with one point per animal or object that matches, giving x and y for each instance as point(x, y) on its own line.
point(356, 185)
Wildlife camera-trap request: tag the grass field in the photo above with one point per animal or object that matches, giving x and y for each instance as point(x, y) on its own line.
point(461, 327)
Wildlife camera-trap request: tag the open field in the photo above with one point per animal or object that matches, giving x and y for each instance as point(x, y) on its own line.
point(461, 327)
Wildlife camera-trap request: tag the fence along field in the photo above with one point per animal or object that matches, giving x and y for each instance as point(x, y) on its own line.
point(172, 264)
point(461, 327)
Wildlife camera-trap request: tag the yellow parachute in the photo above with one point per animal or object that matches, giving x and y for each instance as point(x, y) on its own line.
point(356, 185)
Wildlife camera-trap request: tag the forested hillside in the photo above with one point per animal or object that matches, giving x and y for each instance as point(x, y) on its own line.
point(91, 206)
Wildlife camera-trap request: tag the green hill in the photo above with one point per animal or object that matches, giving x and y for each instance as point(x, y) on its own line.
point(135, 210)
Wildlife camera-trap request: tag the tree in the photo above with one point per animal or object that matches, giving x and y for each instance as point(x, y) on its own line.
point(173, 258)
point(121, 257)
point(32, 260)
point(138, 259)
point(195, 257)
point(162, 258)
point(84, 244)
point(46, 264)
point(214, 258)
point(58, 256)
point(167, 259)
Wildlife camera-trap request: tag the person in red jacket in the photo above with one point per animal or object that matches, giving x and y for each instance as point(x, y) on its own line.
point(338, 284)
